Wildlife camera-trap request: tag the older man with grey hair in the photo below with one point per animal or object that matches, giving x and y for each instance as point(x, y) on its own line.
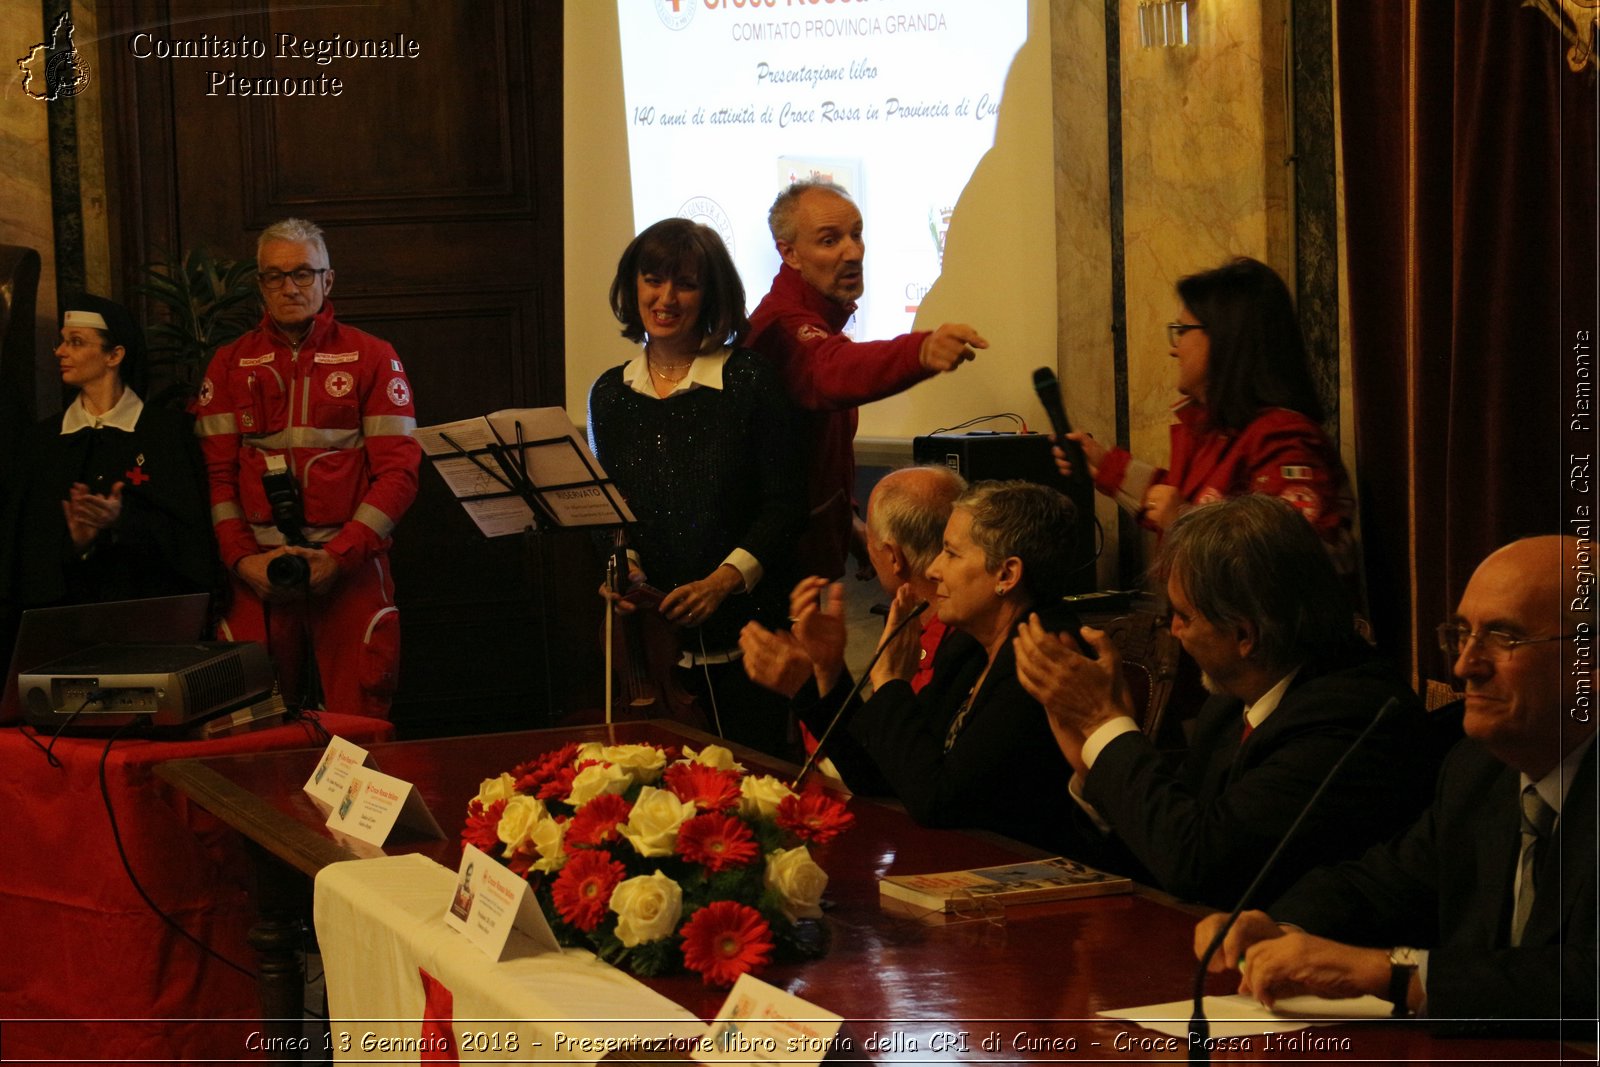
point(800, 323)
point(306, 427)
point(906, 517)
point(1258, 605)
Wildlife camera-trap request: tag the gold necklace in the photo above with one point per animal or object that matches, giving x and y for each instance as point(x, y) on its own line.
point(684, 367)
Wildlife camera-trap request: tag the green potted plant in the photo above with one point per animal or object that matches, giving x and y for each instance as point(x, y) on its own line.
point(206, 303)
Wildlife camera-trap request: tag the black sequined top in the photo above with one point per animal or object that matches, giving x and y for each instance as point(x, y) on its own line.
point(706, 471)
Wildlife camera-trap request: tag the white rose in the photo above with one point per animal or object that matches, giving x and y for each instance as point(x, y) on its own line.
point(713, 756)
point(652, 825)
point(647, 908)
point(549, 837)
point(643, 762)
point(596, 779)
point(587, 751)
point(798, 881)
point(760, 795)
point(522, 814)
point(493, 789)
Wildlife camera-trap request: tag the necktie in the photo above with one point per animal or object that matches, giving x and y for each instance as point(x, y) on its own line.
point(1537, 820)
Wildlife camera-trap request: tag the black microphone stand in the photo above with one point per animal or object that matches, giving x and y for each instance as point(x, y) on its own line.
point(1199, 1026)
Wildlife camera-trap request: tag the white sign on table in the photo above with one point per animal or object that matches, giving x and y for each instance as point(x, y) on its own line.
point(489, 901)
point(760, 1023)
point(373, 803)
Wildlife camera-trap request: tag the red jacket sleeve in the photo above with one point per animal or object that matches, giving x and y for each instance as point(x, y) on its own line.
point(827, 371)
point(388, 423)
point(1291, 459)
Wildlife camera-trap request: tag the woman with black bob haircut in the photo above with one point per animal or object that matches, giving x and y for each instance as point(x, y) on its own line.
point(1249, 420)
point(972, 749)
point(697, 434)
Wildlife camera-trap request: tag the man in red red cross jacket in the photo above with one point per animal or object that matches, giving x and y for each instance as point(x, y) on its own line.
point(307, 402)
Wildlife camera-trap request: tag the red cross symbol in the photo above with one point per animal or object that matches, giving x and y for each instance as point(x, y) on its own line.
point(137, 476)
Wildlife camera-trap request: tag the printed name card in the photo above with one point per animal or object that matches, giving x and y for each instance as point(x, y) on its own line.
point(332, 776)
point(489, 902)
point(373, 803)
point(760, 1023)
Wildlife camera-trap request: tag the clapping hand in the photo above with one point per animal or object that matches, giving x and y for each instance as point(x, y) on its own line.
point(88, 513)
point(899, 658)
point(817, 610)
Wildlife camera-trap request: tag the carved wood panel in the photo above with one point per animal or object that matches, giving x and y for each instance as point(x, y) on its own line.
point(437, 181)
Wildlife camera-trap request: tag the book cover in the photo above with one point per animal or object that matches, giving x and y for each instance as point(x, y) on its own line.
point(1014, 883)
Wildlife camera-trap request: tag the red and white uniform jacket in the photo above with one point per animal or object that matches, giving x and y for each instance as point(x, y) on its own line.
point(1280, 453)
point(339, 408)
point(828, 376)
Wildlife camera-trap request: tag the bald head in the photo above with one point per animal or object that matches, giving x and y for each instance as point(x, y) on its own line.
point(1532, 703)
point(906, 516)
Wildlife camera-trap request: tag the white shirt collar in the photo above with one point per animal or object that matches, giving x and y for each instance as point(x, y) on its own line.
point(1256, 714)
point(1554, 786)
point(704, 371)
point(124, 415)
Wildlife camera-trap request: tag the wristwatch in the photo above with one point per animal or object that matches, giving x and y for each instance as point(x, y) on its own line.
point(1403, 963)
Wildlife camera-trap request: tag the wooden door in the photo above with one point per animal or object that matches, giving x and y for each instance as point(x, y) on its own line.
point(437, 178)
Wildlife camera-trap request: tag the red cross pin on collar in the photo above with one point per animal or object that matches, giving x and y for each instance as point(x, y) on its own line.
point(137, 476)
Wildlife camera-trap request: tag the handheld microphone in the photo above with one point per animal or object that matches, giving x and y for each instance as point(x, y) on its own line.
point(1049, 390)
point(1199, 1027)
point(822, 741)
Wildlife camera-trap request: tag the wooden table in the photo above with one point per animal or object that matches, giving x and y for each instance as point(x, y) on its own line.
point(912, 991)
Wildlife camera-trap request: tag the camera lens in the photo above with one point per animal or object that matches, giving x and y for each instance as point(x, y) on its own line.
point(288, 572)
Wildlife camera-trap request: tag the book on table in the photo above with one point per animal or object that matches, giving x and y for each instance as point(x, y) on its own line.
point(1028, 882)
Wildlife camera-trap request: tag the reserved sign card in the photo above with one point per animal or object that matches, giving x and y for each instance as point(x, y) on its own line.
point(489, 902)
point(332, 776)
point(373, 803)
point(760, 1023)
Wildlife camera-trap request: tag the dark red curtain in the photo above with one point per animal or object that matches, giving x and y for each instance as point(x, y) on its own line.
point(1469, 150)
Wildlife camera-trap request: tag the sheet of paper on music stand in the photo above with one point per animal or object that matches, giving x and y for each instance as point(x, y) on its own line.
point(1241, 1016)
point(483, 464)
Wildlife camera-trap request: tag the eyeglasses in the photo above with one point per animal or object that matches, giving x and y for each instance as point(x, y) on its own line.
point(1492, 644)
point(1176, 330)
point(303, 277)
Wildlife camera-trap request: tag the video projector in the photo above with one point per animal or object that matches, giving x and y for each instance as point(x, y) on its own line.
point(161, 686)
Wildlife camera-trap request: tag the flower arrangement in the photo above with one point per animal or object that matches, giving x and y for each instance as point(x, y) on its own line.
point(659, 856)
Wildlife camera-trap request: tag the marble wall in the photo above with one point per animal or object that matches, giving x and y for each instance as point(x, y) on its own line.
point(29, 212)
point(25, 217)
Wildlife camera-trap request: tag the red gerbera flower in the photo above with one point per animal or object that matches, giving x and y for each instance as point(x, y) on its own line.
point(717, 841)
point(597, 820)
point(521, 862)
point(583, 888)
point(707, 787)
point(725, 939)
point(481, 825)
point(814, 816)
point(559, 785)
point(541, 769)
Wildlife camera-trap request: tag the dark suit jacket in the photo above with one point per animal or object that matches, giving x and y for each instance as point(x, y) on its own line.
point(1447, 885)
point(1004, 773)
point(1202, 830)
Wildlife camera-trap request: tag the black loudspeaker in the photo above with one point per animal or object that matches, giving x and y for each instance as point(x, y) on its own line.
point(986, 456)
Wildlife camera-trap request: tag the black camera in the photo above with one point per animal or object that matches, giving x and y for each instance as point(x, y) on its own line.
point(283, 496)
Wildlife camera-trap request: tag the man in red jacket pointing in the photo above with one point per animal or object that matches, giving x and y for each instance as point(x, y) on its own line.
point(800, 323)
